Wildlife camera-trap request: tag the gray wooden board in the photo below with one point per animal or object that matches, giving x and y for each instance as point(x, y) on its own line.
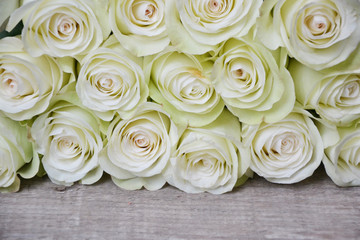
point(312, 209)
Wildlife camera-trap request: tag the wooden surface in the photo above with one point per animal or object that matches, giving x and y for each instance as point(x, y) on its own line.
point(312, 209)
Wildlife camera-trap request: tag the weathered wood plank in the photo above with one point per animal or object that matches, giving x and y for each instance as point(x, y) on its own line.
point(312, 209)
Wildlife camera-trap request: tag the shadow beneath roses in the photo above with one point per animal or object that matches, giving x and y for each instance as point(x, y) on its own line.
point(45, 184)
point(317, 180)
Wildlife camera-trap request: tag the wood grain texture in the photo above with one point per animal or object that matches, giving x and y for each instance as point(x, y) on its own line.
point(312, 209)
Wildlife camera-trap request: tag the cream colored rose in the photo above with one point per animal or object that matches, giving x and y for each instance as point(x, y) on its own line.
point(342, 161)
point(139, 25)
point(319, 34)
point(253, 85)
point(287, 151)
point(210, 159)
point(111, 79)
point(27, 84)
point(6, 8)
point(181, 83)
point(198, 26)
point(139, 148)
point(68, 137)
point(16, 153)
point(333, 93)
point(62, 27)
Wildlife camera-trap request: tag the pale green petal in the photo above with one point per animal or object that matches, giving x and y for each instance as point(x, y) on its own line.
point(6, 8)
point(328, 132)
point(140, 40)
point(111, 168)
point(151, 183)
point(267, 31)
point(226, 125)
point(242, 180)
point(14, 187)
point(92, 177)
point(331, 172)
point(306, 82)
point(142, 45)
point(31, 168)
point(129, 184)
point(342, 160)
point(18, 15)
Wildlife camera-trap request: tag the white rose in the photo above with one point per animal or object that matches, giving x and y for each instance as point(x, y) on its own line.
point(198, 26)
point(333, 93)
point(181, 83)
point(16, 153)
point(68, 137)
point(139, 25)
point(111, 79)
point(27, 84)
point(342, 162)
point(62, 27)
point(6, 8)
point(287, 151)
point(253, 85)
point(210, 158)
point(139, 148)
point(319, 34)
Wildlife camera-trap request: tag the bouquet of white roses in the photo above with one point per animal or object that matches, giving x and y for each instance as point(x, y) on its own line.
point(199, 94)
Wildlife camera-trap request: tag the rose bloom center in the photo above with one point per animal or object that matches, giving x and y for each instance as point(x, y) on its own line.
point(67, 26)
point(106, 83)
point(215, 6)
point(144, 11)
point(10, 86)
point(317, 24)
point(351, 90)
point(68, 145)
